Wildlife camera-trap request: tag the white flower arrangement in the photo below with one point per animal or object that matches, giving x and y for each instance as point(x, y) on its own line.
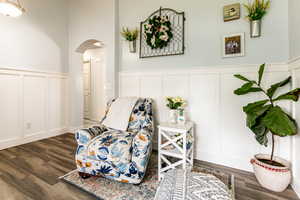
point(175, 103)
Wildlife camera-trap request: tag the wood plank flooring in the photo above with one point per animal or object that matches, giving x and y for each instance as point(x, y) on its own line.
point(31, 171)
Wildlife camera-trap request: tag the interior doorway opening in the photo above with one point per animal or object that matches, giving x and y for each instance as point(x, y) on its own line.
point(93, 76)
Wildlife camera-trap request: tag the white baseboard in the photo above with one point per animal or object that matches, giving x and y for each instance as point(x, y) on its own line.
point(240, 163)
point(74, 129)
point(35, 137)
point(296, 187)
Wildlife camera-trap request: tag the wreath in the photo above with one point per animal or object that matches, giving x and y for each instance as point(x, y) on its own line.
point(158, 32)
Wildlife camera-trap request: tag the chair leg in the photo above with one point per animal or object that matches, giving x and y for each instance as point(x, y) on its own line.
point(84, 175)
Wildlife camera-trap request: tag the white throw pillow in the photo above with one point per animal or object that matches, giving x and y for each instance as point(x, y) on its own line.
point(119, 113)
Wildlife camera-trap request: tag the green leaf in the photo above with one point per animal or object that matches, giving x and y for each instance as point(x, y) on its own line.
point(279, 122)
point(257, 112)
point(255, 89)
point(242, 78)
point(260, 131)
point(272, 90)
point(260, 73)
point(292, 95)
point(252, 106)
point(246, 88)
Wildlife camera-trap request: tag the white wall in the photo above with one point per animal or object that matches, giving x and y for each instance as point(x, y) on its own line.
point(38, 39)
point(33, 106)
point(94, 19)
point(204, 28)
point(294, 39)
point(295, 67)
point(221, 134)
point(294, 30)
point(33, 89)
point(205, 78)
point(97, 62)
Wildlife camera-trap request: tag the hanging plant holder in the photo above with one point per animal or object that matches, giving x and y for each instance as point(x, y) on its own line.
point(256, 11)
point(132, 46)
point(255, 28)
point(162, 34)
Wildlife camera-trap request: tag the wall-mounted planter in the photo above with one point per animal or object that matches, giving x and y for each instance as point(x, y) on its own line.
point(255, 28)
point(132, 46)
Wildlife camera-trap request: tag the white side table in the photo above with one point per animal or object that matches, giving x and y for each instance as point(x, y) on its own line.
point(168, 137)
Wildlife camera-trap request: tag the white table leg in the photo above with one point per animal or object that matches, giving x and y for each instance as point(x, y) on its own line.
point(159, 155)
point(193, 147)
point(185, 152)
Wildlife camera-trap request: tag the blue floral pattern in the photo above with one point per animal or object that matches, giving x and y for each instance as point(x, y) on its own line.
point(112, 145)
point(114, 154)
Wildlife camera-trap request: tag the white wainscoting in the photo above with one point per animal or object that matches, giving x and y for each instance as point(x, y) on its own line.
point(33, 106)
point(221, 134)
point(295, 69)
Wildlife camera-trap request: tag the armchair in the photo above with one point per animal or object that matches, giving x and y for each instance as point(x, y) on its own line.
point(119, 155)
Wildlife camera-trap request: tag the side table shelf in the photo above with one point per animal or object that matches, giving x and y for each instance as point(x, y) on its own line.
point(175, 142)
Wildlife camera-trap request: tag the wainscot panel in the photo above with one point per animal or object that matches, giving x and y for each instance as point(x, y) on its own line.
point(221, 134)
point(33, 106)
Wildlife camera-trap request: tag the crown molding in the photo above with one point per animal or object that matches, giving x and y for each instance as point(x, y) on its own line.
point(294, 60)
point(15, 70)
point(279, 67)
point(294, 63)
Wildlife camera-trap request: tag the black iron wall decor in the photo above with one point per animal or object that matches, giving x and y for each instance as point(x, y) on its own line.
point(162, 34)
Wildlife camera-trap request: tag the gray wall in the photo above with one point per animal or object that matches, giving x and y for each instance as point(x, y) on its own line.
point(294, 28)
point(204, 29)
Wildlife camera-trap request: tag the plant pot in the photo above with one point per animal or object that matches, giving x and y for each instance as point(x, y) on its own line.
point(255, 28)
point(273, 178)
point(173, 114)
point(132, 46)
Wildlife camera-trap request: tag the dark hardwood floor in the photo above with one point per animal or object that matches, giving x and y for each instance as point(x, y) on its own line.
point(31, 171)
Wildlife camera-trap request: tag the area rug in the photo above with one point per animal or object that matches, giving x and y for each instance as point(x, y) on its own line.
point(105, 189)
point(179, 184)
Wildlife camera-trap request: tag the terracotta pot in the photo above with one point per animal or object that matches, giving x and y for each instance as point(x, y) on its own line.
point(276, 179)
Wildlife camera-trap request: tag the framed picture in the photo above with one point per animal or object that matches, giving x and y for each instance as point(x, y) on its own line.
point(232, 12)
point(233, 45)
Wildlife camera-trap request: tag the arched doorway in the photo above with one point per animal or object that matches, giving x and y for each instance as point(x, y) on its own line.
point(93, 76)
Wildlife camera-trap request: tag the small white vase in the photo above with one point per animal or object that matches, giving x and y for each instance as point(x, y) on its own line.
point(173, 116)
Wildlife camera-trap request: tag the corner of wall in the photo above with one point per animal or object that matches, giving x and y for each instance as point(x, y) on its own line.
point(296, 187)
point(294, 67)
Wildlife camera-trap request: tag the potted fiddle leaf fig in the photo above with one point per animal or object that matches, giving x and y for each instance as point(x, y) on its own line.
point(267, 117)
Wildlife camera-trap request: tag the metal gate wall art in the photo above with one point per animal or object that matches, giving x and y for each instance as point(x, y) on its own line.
point(176, 44)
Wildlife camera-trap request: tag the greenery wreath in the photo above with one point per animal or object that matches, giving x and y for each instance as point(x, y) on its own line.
point(158, 32)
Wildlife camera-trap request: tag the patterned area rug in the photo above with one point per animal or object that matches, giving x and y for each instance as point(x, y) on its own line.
point(178, 184)
point(106, 189)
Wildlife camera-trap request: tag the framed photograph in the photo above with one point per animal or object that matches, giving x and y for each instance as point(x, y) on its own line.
point(233, 45)
point(232, 12)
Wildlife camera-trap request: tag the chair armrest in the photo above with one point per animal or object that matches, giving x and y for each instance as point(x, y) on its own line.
point(141, 148)
point(142, 143)
point(84, 136)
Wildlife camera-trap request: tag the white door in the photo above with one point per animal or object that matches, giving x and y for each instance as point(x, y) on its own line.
point(87, 89)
